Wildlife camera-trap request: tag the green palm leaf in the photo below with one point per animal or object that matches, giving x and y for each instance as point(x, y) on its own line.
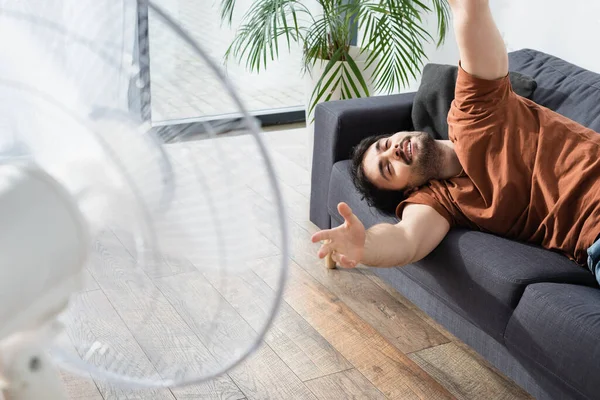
point(257, 39)
point(227, 7)
point(393, 36)
point(358, 74)
point(442, 10)
point(320, 88)
point(396, 40)
point(315, 43)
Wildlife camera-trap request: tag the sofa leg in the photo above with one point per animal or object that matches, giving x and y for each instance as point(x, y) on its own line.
point(329, 263)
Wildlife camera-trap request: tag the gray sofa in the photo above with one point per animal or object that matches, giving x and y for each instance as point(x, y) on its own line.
point(532, 313)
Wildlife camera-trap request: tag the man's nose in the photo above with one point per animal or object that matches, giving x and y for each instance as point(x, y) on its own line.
point(396, 150)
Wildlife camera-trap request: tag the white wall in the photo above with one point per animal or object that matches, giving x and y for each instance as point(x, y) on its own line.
point(566, 29)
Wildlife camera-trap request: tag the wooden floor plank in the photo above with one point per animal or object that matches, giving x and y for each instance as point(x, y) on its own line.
point(225, 333)
point(394, 374)
point(294, 340)
point(80, 388)
point(288, 171)
point(265, 376)
point(462, 374)
point(349, 384)
point(403, 300)
point(344, 333)
point(392, 319)
point(170, 344)
point(80, 385)
point(292, 146)
point(304, 190)
point(89, 283)
point(209, 209)
point(289, 174)
point(171, 264)
point(77, 385)
point(296, 205)
point(102, 325)
point(480, 362)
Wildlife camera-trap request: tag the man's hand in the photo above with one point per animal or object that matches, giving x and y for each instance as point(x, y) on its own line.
point(346, 242)
point(421, 229)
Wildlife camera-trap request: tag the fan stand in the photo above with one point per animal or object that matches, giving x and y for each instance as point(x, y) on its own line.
point(27, 371)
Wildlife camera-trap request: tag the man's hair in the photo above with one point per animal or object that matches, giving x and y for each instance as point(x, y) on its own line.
point(384, 200)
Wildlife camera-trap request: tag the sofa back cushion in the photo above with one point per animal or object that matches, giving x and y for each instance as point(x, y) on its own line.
point(561, 86)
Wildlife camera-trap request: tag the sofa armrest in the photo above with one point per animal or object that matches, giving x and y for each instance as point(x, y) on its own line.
point(341, 125)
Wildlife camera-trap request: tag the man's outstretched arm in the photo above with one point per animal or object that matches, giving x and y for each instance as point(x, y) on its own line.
point(385, 245)
point(482, 50)
point(419, 232)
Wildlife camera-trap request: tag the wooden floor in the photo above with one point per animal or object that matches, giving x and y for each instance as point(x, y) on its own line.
point(339, 334)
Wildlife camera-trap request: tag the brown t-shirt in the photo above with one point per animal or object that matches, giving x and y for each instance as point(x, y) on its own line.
point(529, 174)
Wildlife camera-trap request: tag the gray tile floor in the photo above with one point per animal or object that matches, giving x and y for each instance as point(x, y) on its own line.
point(184, 87)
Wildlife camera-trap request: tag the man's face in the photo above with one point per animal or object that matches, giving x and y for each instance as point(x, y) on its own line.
point(402, 161)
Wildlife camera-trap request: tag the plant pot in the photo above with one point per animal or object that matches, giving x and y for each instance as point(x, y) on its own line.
point(312, 78)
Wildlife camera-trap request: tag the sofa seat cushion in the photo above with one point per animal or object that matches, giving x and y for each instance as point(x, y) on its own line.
point(341, 188)
point(556, 328)
point(478, 275)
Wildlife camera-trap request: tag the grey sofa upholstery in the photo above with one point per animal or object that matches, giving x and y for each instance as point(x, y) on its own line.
point(532, 313)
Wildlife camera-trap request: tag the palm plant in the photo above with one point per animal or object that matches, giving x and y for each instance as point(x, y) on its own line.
point(393, 39)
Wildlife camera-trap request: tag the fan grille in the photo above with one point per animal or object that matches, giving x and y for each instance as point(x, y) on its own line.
point(177, 217)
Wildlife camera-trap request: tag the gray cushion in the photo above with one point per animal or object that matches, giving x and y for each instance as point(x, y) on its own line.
point(341, 188)
point(561, 86)
point(483, 276)
point(480, 276)
point(556, 328)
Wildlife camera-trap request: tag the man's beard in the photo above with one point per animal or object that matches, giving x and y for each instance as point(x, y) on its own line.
point(428, 165)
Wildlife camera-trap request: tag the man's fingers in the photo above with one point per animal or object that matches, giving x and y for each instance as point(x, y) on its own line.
point(321, 235)
point(324, 250)
point(346, 262)
point(343, 261)
point(335, 257)
point(345, 211)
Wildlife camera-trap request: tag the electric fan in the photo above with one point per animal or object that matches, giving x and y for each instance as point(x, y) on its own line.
point(126, 249)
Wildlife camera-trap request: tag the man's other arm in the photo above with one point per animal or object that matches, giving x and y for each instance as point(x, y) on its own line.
point(421, 229)
point(482, 50)
point(418, 233)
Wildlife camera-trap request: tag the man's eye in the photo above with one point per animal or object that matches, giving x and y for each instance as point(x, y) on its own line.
point(387, 144)
point(389, 169)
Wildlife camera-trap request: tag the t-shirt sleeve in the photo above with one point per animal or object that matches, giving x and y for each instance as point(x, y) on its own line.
point(473, 93)
point(427, 196)
point(478, 103)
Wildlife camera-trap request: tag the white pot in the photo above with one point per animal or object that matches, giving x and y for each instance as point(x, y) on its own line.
point(312, 78)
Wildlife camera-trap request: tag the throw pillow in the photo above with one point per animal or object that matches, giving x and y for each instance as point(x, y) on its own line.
point(435, 94)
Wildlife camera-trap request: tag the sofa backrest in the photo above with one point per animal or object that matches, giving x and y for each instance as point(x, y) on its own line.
point(561, 86)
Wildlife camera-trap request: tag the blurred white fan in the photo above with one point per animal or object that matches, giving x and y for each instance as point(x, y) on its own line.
point(122, 246)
